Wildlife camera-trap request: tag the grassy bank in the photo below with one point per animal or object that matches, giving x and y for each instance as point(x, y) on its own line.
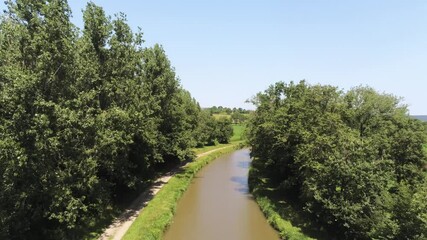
point(280, 212)
point(158, 214)
point(238, 132)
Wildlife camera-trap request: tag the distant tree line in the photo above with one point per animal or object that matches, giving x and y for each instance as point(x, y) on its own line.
point(237, 115)
point(221, 109)
point(354, 160)
point(84, 115)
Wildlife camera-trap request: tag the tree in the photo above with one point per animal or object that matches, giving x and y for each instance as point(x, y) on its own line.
point(224, 130)
point(351, 158)
point(44, 127)
point(165, 90)
point(84, 117)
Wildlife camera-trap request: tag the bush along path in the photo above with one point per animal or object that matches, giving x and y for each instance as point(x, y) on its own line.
point(183, 174)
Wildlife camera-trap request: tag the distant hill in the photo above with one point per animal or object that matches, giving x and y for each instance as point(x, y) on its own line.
point(420, 117)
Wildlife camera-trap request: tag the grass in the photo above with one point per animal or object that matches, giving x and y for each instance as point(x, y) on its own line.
point(225, 115)
point(285, 227)
point(281, 213)
point(158, 214)
point(238, 130)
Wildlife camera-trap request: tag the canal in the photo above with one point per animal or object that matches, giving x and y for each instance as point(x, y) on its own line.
point(217, 205)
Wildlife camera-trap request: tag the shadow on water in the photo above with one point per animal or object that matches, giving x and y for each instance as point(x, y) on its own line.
point(243, 184)
point(243, 164)
point(247, 154)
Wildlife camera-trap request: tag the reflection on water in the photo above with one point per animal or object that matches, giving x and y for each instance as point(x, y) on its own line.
point(218, 205)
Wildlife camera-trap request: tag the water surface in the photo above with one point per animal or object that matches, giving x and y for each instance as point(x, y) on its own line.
point(217, 205)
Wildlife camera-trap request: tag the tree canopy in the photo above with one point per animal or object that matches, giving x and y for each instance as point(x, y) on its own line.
point(355, 159)
point(84, 115)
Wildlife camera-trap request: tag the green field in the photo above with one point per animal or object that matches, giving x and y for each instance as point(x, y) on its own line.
point(221, 115)
point(225, 115)
point(238, 131)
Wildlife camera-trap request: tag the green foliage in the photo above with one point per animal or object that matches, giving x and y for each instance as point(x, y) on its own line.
point(410, 211)
point(276, 215)
point(237, 138)
point(238, 132)
point(343, 154)
point(212, 131)
point(226, 110)
point(236, 115)
point(224, 130)
point(85, 116)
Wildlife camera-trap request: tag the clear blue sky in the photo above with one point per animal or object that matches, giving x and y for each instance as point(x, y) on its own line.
point(226, 51)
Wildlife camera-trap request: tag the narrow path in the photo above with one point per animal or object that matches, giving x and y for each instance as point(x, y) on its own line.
point(211, 151)
point(120, 225)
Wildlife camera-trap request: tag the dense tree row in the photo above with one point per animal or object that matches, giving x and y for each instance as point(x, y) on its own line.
point(213, 130)
point(221, 109)
point(237, 115)
point(354, 159)
point(84, 114)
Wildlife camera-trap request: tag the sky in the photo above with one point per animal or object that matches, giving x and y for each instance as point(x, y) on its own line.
point(225, 51)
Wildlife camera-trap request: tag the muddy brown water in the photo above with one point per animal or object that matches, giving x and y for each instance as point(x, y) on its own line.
point(217, 205)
